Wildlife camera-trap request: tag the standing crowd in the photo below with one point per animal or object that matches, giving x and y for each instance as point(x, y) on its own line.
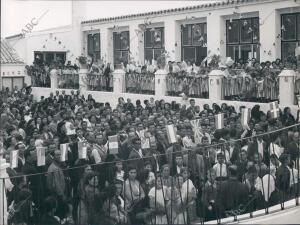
point(206, 174)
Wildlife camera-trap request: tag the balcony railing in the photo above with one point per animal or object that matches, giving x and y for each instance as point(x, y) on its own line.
point(99, 82)
point(140, 83)
point(195, 86)
point(68, 79)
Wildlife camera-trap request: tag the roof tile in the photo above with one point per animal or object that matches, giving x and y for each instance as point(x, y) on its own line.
point(8, 54)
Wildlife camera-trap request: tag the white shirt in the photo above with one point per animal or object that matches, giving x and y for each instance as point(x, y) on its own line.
point(120, 175)
point(260, 148)
point(221, 170)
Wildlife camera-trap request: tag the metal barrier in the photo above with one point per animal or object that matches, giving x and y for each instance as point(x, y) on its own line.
point(179, 186)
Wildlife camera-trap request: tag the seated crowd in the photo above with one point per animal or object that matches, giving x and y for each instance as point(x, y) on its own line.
point(206, 174)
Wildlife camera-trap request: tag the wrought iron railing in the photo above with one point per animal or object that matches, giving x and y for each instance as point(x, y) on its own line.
point(140, 83)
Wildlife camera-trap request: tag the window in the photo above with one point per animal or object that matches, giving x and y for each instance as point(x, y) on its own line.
point(94, 46)
point(242, 39)
point(290, 34)
point(193, 42)
point(154, 44)
point(12, 82)
point(121, 47)
point(49, 57)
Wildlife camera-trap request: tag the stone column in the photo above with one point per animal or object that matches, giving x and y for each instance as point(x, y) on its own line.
point(54, 79)
point(119, 81)
point(216, 85)
point(216, 34)
point(286, 87)
point(83, 85)
point(160, 83)
point(172, 39)
point(4, 184)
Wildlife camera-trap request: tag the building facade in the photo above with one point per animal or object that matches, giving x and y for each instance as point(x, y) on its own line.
point(13, 73)
point(240, 29)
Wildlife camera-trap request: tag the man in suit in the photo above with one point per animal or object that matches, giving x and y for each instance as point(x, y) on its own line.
point(136, 153)
point(231, 193)
point(258, 146)
point(293, 148)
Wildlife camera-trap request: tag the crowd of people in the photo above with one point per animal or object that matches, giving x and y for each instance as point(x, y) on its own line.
point(206, 174)
point(243, 81)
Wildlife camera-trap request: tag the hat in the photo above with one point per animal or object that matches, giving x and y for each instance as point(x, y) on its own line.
point(3, 164)
point(229, 61)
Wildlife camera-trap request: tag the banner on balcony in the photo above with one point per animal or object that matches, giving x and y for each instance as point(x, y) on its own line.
point(274, 109)
point(219, 121)
point(113, 145)
point(82, 150)
point(171, 133)
point(64, 152)
point(14, 156)
point(245, 117)
point(40, 154)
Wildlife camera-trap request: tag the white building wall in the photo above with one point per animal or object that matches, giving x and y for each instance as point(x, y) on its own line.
point(72, 37)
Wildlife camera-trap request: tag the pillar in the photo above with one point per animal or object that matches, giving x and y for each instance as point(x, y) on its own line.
point(106, 43)
point(173, 40)
point(54, 79)
point(79, 12)
point(3, 186)
point(268, 32)
point(286, 87)
point(136, 43)
point(216, 35)
point(83, 83)
point(160, 83)
point(119, 81)
point(216, 85)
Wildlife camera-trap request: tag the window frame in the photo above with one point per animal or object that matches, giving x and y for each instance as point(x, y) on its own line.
point(95, 51)
point(191, 45)
point(297, 39)
point(240, 43)
point(44, 55)
point(154, 48)
point(120, 50)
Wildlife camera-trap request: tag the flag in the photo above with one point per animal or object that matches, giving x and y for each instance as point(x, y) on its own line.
point(113, 144)
point(82, 150)
point(274, 108)
point(196, 124)
point(70, 130)
point(245, 116)
point(145, 143)
point(64, 152)
point(219, 121)
point(14, 155)
point(40, 154)
point(171, 133)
